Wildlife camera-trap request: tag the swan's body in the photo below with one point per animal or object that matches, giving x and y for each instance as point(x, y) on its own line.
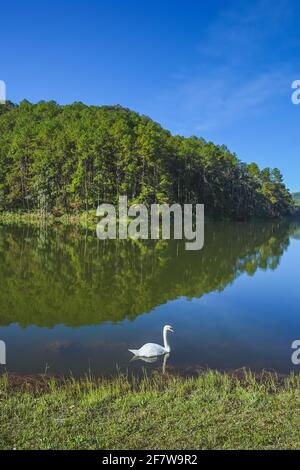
point(152, 349)
point(149, 350)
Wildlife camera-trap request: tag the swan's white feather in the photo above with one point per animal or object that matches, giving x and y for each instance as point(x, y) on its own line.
point(149, 350)
point(134, 351)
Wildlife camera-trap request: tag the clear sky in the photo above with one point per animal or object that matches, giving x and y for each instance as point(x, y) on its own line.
point(218, 69)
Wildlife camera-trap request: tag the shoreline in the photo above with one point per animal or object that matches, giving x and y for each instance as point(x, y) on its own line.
point(88, 219)
point(19, 381)
point(83, 219)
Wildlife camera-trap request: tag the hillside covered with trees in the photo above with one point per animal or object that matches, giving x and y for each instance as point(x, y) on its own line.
point(63, 158)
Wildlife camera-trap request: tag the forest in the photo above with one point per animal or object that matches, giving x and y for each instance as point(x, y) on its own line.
point(60, 159)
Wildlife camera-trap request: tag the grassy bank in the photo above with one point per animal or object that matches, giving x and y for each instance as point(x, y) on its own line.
point(80, 219)
point(213, 411)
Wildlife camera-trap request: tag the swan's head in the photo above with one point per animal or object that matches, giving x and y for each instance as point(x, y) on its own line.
point(168, 328)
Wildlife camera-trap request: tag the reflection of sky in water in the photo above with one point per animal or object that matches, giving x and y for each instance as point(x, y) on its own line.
point(251, 323)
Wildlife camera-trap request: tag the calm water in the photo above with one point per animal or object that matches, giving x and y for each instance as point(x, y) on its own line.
point(70, 302)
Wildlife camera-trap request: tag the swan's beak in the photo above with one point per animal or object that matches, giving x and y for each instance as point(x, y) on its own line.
point(171, 329)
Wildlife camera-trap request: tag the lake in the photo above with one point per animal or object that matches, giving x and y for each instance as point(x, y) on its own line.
point(70, 303)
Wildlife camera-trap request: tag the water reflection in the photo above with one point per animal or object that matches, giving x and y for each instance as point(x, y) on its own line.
point(153, 360)
point(62, 276)
point(69, 300)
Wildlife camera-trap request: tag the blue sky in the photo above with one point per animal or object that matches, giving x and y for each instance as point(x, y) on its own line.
point(218, 69)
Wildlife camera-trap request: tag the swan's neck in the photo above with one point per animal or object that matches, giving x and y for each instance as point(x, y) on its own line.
point(166, 343)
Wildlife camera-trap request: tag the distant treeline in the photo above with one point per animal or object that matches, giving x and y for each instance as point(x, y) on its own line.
point(296, 197)
point(63, 158)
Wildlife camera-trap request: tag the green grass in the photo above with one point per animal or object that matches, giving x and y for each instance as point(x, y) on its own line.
point(80, 219)
point(213, 411)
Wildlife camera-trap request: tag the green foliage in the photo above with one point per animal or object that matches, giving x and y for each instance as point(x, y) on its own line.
point(58, 159)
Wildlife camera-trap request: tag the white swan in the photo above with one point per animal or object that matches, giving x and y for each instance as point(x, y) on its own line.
point(152, 349)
